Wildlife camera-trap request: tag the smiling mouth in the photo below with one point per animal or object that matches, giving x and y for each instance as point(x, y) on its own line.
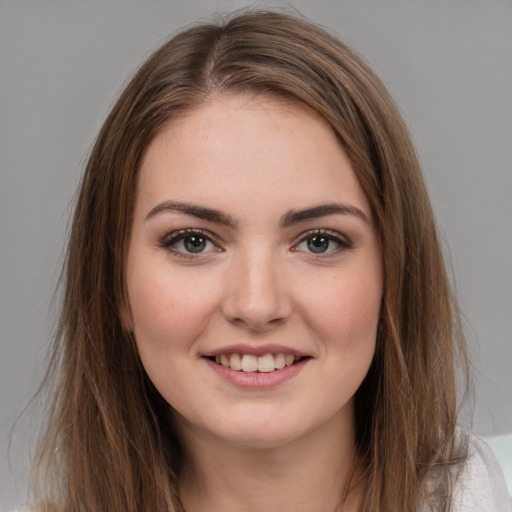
point(250, 363)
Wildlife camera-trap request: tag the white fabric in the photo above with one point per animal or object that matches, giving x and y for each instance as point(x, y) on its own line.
point(481, 485)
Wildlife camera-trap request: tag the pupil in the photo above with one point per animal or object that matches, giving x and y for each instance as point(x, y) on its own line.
point(318, 244)
point(194, 243)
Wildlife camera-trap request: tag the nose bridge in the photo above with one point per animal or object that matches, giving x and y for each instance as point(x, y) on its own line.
point(256, 295)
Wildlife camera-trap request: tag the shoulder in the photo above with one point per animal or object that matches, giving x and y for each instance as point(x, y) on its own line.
point(480, 486)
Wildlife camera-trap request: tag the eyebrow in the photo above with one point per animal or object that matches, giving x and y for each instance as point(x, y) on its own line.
point(195, 211)
point(288, 219)
point(322, 210)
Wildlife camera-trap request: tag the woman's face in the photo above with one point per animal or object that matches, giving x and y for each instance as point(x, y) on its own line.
point(253, 273)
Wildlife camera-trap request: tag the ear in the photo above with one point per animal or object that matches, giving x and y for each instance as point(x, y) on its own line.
point(125, 313)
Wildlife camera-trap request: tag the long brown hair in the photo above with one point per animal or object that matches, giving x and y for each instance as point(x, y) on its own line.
point(107, 444)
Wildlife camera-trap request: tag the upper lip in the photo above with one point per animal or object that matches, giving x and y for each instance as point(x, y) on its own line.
point(255, 350)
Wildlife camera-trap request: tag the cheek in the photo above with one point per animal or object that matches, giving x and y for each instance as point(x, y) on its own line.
point(169, 307)
point(345, 318)
point(346, 308)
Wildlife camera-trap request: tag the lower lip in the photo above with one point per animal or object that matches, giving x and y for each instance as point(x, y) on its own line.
point(257, 379)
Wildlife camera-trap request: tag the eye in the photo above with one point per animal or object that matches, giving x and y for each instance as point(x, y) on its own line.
point(188, 242)
point(193, 243)
point(319, 242)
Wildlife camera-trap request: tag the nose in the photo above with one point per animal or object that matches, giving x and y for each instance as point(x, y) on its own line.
point(256, 295)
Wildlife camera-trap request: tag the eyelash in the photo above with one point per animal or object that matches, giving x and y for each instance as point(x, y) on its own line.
point(169, 241)
point(344, 243)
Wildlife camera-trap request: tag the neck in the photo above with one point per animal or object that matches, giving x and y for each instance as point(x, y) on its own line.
point(307, 474)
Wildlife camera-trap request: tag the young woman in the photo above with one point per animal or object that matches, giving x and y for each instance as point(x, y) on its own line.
point(256, 314)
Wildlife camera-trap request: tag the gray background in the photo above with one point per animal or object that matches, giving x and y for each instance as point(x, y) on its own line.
point(62, 63)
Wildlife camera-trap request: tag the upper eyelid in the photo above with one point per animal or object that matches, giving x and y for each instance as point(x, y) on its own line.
point(179, 234)
point(335, 235)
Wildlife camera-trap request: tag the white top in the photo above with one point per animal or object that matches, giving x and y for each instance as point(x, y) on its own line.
point(481, 486)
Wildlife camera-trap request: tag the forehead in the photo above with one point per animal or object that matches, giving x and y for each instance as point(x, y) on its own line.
point(244, 148)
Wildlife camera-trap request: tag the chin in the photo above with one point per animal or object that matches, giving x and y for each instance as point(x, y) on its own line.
point(257, 441)
point(251, 433)
point(260, 435)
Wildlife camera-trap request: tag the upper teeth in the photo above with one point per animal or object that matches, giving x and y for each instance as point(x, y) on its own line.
point(249, 363)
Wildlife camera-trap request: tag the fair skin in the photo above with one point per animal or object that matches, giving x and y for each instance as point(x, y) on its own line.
point(253, 245)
